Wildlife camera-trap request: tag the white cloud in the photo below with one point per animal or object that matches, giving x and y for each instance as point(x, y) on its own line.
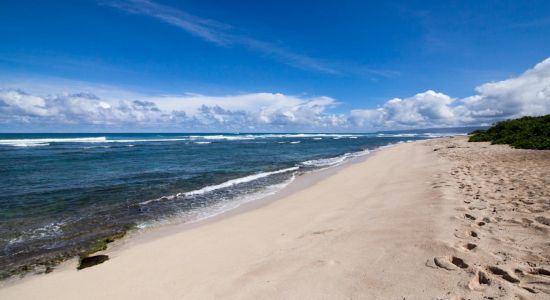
point(78, 109)
point(107, 109)
point(525, 95)
point(423, 109)
point(258, 111)
point(21, 103)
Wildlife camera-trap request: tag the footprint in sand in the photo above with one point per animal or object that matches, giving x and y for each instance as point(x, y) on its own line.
point(465, 234)
point(530, 290)
point(543, 220)
point(479, 281)
point(470, 246)
point(540, 271)
point(450, 263)
point(471, 217)
point(502, 273)
point(477, 207)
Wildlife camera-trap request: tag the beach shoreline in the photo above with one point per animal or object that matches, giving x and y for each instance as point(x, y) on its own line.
point(300, 183)
point(62, 217)
point(380, 226)
point(176, 224)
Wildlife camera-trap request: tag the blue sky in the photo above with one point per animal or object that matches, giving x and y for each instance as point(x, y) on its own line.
point(358, 54)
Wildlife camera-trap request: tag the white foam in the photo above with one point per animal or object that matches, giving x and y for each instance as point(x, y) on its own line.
point(145, 140)
point(272, 136)
point(333, 161)
point(436, 135)
point(202, 143)
point(197, 215)
point(223, 137)
point(306, 135)
point(425, 135)
point(46, 141)
point(231, 204)
point(30, 144)
point(225, 184)
point(390, 135)
point(322, 162)
point(238, 181)
point(295, 142)
point(46, 231)
point(196, 138)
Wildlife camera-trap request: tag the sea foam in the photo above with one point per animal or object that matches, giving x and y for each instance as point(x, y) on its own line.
point(333, 161)
point(222, 185)
point(46, 141)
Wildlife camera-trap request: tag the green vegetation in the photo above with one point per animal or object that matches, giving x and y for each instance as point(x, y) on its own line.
point(524, 133)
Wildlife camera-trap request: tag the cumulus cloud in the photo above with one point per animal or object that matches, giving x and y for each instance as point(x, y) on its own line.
point(525, 95)
point(79, 109)
point(421, 110)
point(258, 111)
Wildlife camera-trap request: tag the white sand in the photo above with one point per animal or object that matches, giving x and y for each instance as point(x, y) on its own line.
point(370, 231)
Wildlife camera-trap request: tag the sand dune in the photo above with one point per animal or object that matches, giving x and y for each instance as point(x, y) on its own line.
point(468, 220)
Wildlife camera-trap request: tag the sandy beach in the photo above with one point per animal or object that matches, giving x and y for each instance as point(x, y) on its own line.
point(436, 219)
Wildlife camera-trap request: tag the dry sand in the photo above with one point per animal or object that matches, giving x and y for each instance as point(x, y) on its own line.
point(502, 224)
point(468, 220)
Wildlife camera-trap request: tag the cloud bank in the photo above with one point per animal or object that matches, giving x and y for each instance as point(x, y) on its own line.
point(526, 94)
point(249, 112)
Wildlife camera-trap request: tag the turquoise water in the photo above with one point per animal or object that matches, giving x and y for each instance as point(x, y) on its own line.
point(59, 192)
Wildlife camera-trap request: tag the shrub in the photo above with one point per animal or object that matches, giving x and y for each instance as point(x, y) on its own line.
point(524, 133)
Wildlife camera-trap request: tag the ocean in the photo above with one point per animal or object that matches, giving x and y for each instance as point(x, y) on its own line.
point(61, 192)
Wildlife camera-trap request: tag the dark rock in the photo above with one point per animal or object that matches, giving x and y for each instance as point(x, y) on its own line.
point(91, 261)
